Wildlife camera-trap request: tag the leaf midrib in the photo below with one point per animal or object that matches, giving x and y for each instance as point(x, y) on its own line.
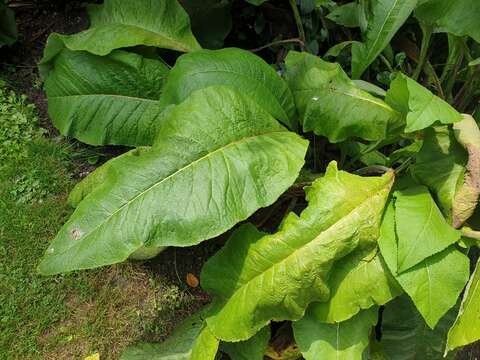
point(104, 95)
point(107, 219)
point(361, 204)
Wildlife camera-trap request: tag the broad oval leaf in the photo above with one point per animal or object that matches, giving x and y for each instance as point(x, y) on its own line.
point(359, 281)
point(466, 328)
point(422, 230)
point(406, 336)
point(233, 67)
point(440, 165)
point(330, 104)
point(106, 99)
point(420, 106)
point(255, 278)
point(459, 17)
point(119, 24)
point(435, 283)
point(218, 158)
point(191, 340)
point(386, 18)
point(345, 340)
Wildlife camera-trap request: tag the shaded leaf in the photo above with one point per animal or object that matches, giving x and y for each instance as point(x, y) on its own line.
point(218, 158)
point(210, 33)
point(348, 15)
point(385, 19)
point(8, 26)
point(466, 199)
point(406, 336)
point(237, 68)
point(421, 228)
point(466, 328)
point(444, 273)
point(118, 24)
point(330, 104)
point(442, 154)
point(255, 278)
point(358, 281)
point(420, 106)
point(105, 99)
point(251, 349)
point(341, 341)
point(459, 17)
point(191, 340)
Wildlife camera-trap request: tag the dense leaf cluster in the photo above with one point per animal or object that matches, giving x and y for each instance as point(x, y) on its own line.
point(221, 134)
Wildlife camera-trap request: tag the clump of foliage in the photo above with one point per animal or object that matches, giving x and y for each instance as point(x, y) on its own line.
point(390, 222)
point(18, 125)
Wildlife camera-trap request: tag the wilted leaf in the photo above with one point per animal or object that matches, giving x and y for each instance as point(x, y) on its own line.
point(420, 106)
point(440, 165)
point(466, 199)
point(237, 68)
point(385, 19)
point(105, 99)
point(341, 341)
point(255, 278)
point(218, 158)
point(330, 104)
point(421, 228)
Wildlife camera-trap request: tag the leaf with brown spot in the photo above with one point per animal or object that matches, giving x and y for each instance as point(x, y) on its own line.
point(467, 134)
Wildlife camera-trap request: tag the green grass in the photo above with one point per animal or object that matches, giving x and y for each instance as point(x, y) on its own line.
point(75, 315)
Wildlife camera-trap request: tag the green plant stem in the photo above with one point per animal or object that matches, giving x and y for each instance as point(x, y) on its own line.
point(427, 35)
point(298, 22)
point(387, 63)
point(278, 42)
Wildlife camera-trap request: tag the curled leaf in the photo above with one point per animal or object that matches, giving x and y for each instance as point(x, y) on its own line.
point(466, 199)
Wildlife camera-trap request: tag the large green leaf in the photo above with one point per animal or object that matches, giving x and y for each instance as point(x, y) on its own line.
point(466, 199)
point(251, 349)
point(218, 158)
point(106, 99)
point(357, 282)
point(466, 328)
point(233, 67)
point(406, 336)
point(96, 178)
point(330, 104)
point(385, 19)
point(118, 24)
point(255, 278)
point(8, 26)
point(459, 17)
point(211, 20)
point(421, 107)
point(422, 230)
point(434, 284)
point(440, 165)
point(191, 340)
point(346, 340)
